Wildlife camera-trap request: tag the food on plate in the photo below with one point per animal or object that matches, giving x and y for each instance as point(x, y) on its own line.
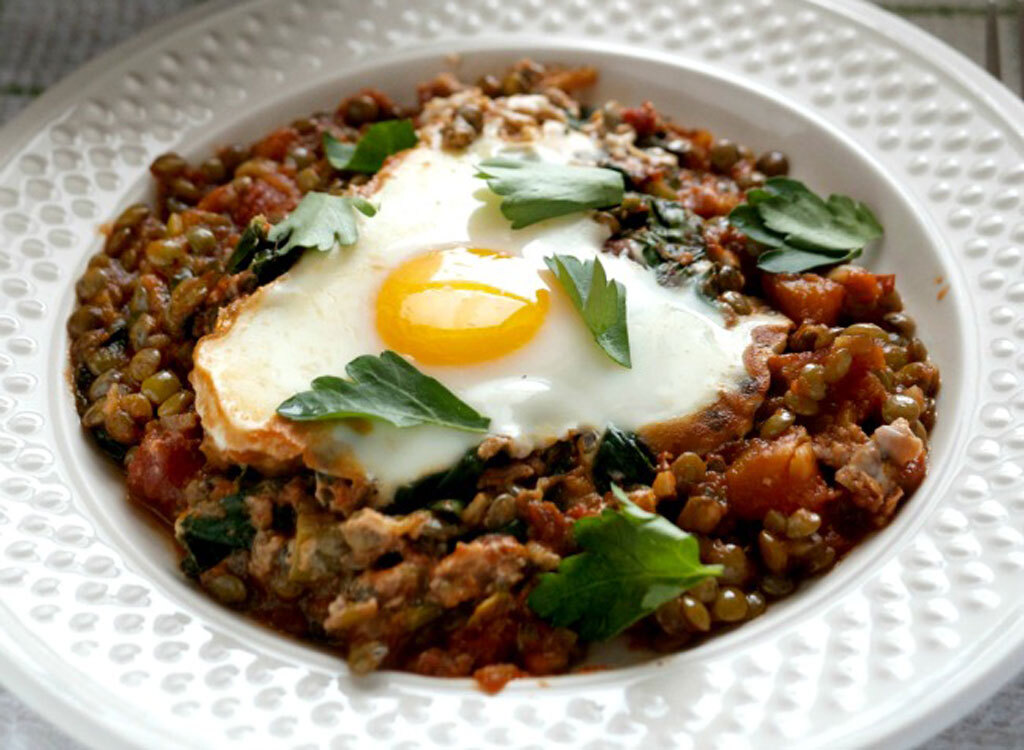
point(461, 387)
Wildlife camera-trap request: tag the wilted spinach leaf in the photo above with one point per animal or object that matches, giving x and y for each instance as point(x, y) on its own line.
point(457, 483)
point(108, 445)
point(622, 459)
point(210, 538)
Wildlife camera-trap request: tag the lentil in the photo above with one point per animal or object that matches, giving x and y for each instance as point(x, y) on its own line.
point(706, 591)
point(755, 604)
point(773, 164)
point(201, 240)
point(812, 381)
point(143, 364)
point(161, 386)
point(724, 155)
point(168, 166)
point(696, 614)
point(176, 404)
point(802, 523)
point(227, 589)
point(898, 405)
point(361, 110)
point(688, 468)
point(802, 405)
point(163, 253)
point(774, 552)
point(777, 423)
point(730, 605)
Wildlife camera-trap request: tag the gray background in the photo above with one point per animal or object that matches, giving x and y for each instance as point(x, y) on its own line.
point(41, 41)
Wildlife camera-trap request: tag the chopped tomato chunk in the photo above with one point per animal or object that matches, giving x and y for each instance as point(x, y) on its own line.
point(275, 146)
point(167, 459)
point(494, 677)
point(864, 290)
point(643, 119)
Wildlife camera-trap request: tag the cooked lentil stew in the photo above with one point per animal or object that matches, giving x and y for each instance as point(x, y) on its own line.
point(438, 580)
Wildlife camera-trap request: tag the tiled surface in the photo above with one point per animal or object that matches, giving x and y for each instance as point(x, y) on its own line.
point(41, 41)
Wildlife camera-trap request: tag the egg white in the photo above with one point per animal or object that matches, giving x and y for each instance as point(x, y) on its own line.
point(319, 316)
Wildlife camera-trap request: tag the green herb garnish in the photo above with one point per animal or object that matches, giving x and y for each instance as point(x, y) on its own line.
point(601, 302)
point(632, 562)
point(387, 388)
point(320, 221)
point(801, 230)
point(210, 537)
point(533, 190)
point(381, 140)
point(317, 223)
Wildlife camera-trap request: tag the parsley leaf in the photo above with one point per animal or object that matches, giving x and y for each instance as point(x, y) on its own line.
point(795, 260)
point(319, 221)
point(802, 230)
point(387, 388)
point(601, 302)
point(381, 140)
point(632, 562)
point(533, 190)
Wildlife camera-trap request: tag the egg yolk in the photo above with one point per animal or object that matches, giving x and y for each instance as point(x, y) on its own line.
point(461, 305)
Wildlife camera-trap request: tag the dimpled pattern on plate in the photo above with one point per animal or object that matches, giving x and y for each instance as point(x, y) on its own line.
point(951, 585)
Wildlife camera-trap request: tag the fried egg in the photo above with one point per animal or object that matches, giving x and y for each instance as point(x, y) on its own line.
point(439, 276)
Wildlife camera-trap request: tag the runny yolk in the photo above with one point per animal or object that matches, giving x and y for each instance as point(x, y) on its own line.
point(461, 305)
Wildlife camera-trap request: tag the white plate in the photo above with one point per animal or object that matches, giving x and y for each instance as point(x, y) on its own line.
point(100, 632)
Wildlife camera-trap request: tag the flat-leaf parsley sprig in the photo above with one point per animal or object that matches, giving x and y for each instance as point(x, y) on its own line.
point(600, 301)
point(533, 191)
point(631, 563)
point(367, 155)
point(802, 231)
point(319, 222)
point(386, 388)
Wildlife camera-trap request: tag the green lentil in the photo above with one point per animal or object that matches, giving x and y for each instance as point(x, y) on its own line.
point(777, 423)
point(837, 364)
point(143, 364)
point(812, 380)
point(898, 405)
point(688, 468)
point(802, 523)
point(161, 386)
point(361, 109)
point(802, 405)
point(724, 155)
point(168, 166)
point(774, 553)
point(201, 240)
point(132, 216)
point(226, 588)
point(730, 605)
point(696, 614)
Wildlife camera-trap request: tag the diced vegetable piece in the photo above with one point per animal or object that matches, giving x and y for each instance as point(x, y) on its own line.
point(805, 297)
point(780, 474)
